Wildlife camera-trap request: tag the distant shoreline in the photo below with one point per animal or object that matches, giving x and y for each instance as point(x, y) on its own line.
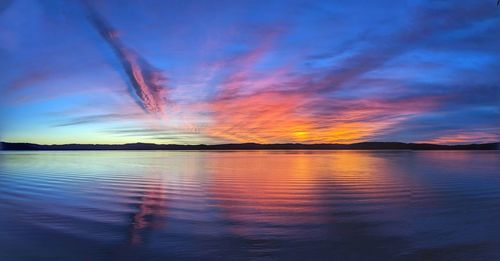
point(9, 146)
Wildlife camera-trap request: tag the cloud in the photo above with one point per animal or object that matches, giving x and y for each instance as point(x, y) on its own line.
point(465, 137)
point(98, 118)
point(284, 106)
point(5, 4)
point(145, 79)
point(270, 117)
point(425, 72)
point(159, 134)
point(426, 26)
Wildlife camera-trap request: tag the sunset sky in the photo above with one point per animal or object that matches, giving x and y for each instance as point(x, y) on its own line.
point(190, 72)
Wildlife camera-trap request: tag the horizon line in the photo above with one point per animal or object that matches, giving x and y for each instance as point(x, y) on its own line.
point(255, 143)
point(369, 145)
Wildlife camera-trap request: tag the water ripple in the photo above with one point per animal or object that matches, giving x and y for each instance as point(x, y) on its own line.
point(250, 205)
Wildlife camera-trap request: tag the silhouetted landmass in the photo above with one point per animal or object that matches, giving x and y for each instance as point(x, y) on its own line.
point(252, 146)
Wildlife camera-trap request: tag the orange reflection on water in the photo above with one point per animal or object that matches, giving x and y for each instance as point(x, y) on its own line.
point(259, 192)
point(256, 188)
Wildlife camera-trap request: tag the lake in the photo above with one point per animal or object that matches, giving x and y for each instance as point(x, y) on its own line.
point(250, 205)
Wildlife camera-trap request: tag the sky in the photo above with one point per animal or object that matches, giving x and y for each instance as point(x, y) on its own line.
point(210, 72)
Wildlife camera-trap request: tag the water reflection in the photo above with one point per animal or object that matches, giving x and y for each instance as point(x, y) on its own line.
point(358, 205)
point(150, 210)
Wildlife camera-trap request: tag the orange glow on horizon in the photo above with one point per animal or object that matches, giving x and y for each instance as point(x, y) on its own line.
point(275, 117)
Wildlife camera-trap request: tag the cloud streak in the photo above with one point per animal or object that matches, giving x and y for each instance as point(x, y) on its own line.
point(145, 79)
point(418, 71)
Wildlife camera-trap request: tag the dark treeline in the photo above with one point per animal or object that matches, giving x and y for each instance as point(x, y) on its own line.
point(252, 146)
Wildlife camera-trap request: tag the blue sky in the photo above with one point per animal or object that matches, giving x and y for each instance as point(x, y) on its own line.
point(192, 72)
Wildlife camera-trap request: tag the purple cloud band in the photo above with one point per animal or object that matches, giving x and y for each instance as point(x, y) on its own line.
point(145, 79)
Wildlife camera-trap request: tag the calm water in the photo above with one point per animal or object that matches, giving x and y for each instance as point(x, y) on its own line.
point(326, 205)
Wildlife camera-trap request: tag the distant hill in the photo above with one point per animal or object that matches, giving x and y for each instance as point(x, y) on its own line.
point(252, 146)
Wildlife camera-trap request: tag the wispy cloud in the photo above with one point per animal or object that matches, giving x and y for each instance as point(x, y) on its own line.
point(466, 136)
point(418, 71)
point(98, 118)
point(145, 79)
point(4, 5)
point(283, 106)
point(269, 117)
point(429, 22)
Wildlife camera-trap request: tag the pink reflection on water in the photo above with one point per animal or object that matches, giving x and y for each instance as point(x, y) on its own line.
point(262, 194)
point(150, 211)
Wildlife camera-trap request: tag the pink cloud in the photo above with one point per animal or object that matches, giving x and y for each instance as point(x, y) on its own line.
point(144, 78)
